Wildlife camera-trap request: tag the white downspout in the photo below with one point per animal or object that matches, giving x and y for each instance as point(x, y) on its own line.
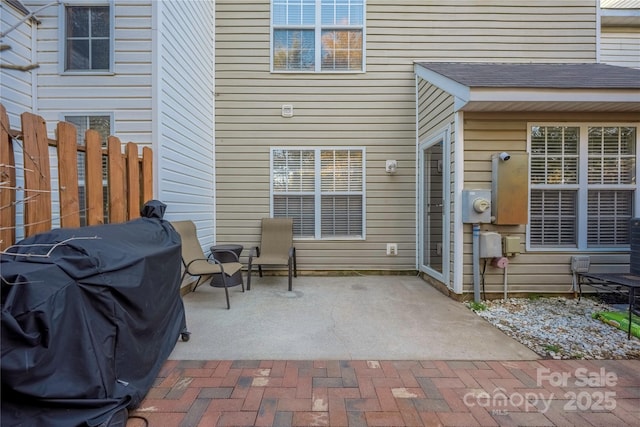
point(476, 262)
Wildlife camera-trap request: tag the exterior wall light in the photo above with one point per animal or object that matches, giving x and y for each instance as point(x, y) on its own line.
point(391, 166)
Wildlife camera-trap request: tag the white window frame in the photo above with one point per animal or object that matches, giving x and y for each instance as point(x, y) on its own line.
point(62, 36)
point(583, 186)
point(317, 28)
point(318, 193)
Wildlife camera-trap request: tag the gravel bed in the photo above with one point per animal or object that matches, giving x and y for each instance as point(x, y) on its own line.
point(560, 328)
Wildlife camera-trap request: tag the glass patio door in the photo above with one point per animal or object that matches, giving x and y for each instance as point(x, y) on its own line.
point(433, 238)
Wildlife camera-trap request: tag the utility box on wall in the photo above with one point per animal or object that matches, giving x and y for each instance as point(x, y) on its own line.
point(476, 206)
point(510, 188)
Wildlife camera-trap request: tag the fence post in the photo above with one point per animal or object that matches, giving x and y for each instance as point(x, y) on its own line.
point(147, 174)
point(117, 202)
point(133, 180)
point(94, 193)
point(8, 184)
point(68, 175)
point(37, 175)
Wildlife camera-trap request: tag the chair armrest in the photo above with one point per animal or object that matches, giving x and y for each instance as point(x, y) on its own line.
point(199, 259)
point(255, 252)
point(235, 255)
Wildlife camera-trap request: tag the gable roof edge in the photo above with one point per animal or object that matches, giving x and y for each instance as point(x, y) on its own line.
point(461, 92)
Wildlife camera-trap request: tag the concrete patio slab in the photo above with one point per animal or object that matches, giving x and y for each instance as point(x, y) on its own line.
point(339, 318)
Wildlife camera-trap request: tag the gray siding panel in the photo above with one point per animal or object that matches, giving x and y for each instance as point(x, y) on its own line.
point(185, 120)
point(15, 91)
point(126, 93)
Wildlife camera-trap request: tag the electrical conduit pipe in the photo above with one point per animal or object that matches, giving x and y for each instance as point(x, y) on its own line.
point(476, 263)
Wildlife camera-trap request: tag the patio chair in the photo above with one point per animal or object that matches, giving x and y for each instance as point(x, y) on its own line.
point(196, 264)
point(276, 248)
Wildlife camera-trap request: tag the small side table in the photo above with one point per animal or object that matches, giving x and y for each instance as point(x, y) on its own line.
point(222, 254)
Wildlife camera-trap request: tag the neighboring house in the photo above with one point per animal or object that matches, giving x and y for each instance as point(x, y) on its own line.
point(620, 32)
point(17, 74)
point(141, 70)
point(314, 99)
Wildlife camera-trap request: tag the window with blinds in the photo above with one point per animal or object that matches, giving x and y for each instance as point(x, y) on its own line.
point(583, 186)
point(322, 189)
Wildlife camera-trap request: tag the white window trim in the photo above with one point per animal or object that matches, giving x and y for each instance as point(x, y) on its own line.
point(318, 190)
point(111, 114)
point(318, 41)
point(582, 188)
point(62, 39)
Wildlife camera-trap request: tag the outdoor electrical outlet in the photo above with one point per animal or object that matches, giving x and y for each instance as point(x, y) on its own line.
point(392, 249)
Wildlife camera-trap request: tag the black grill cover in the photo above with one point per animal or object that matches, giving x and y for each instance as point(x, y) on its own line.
point(88, 320)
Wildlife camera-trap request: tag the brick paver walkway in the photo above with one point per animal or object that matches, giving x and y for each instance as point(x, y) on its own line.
point(393, 393)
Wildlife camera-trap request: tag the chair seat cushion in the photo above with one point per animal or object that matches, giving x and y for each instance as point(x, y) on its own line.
point(271, 260)
point(202, 267)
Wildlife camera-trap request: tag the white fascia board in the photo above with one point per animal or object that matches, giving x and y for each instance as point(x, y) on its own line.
point(458, 90)
point(620, 12)
point(552, 95)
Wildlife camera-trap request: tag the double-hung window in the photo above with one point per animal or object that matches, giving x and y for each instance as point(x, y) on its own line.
point(583, 186)
point(102, 125)
point(317, 35)
point(322, 189)
point(87, 38)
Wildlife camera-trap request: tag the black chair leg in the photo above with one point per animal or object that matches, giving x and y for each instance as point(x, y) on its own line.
point(226, 290)
point(224, 285)
point(295, 264)
point(196, 285)
point(249, 276)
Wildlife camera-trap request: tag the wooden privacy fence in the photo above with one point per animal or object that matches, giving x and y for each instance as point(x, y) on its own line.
point(129, 178)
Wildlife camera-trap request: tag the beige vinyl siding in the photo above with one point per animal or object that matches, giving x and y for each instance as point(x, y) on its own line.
point(375, 109)
point(620, 46)
point(540, 272)
point(126, 93)
point(435, 111)
point(497, 31)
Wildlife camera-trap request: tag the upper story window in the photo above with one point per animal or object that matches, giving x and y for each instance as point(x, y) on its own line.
point(87, 38)
point(583, 186)
point(317, 35)
point(322, 189)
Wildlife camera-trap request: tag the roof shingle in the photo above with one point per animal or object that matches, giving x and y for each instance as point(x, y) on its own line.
point(552, 76)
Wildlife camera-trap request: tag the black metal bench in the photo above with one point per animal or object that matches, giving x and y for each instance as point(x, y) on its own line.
point(622, 283)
